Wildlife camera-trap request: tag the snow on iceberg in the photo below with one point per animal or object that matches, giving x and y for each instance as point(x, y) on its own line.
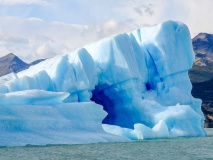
point(125, 87)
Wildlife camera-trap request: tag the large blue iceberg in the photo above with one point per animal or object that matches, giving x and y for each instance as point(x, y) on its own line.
point(125, 87)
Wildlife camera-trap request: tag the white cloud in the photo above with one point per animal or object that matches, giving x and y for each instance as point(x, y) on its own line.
point(27, 2)
point(194, 13)
point(34, 19)
point(34, 38)
point(197, 15)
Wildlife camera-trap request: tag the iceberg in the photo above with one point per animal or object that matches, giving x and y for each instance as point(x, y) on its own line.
point(125, 87)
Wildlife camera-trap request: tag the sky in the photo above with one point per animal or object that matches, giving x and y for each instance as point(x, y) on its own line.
point(35, 29)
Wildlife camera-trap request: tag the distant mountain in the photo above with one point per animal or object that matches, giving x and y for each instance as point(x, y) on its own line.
point(11, 63)
point(36, 62)
point(203, 48)
point(202, 69)
point(201, 74)
point(204, 91)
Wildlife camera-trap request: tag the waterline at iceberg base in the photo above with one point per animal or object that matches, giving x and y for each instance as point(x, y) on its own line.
point(125, 87)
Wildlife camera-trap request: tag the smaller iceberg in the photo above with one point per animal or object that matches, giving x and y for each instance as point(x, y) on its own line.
point(140, 131)
point(173, 116)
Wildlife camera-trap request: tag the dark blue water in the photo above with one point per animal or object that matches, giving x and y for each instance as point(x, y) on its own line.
point(165, 149)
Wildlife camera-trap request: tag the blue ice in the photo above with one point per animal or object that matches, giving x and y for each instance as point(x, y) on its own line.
point(125, 87)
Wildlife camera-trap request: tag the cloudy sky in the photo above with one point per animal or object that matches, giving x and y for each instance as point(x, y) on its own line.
point(34, 29)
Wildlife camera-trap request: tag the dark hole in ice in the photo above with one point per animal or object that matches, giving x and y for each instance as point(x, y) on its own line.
point(99, 97)
point(148, 86)
point(117, 102)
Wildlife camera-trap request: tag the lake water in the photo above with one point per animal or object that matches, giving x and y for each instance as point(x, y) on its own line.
point(164, 149)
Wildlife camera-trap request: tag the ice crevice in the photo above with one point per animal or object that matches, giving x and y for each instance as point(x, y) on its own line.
point(125, 87)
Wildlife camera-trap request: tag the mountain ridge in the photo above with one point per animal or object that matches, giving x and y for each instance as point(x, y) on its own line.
point(201, 74)
point(202, 69)
point(12, 63)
